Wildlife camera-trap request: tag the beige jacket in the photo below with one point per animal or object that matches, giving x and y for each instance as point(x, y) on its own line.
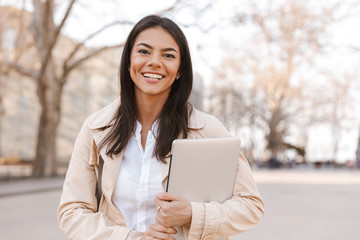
point(79, 217)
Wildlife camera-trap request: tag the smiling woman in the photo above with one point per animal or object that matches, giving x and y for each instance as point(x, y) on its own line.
point(126, 147)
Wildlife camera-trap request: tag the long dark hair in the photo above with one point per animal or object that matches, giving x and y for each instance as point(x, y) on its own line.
point(173, 119)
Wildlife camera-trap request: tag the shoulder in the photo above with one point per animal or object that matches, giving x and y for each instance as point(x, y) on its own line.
point(206, 125)
point(103, 116)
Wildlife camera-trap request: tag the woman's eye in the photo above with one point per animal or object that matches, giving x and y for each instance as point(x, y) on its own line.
point(143, 51)
point(168, 55)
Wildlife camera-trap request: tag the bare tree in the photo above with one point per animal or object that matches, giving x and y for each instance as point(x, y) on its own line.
point(292, 34)
point(288, 36)
point(340, 102)
point(51, 73)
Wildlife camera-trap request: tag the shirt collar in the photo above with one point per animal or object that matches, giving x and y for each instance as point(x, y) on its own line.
point(154, 128)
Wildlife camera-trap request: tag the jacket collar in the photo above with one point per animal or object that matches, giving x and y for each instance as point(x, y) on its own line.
point(196, 120)
point(102, 117)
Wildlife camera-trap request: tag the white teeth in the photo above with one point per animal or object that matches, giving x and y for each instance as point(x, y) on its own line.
point(151, 75)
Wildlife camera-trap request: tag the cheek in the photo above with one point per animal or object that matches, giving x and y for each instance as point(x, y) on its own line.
point(174, 68)
point(132, 75)
point(136, 60)
point(135, 67)
point(134, 63)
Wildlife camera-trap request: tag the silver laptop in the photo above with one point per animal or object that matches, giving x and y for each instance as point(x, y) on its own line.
point(204, 170)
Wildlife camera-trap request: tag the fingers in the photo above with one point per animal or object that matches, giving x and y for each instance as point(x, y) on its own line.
point(162, 220)
point(165, 201)
point(162, 205)
point(167, 197)
point(157, 231)
point(173, 210)
point(157, 235)
point(160, 228)
point(163, 215)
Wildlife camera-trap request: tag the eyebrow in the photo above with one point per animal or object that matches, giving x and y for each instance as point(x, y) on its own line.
point(163, 49)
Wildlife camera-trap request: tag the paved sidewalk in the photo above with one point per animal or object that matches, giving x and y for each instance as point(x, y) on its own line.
point(27, 186)
point(307, 212)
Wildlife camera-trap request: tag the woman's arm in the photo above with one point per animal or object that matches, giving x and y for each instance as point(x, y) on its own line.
point(234, 216)
point(77, 213)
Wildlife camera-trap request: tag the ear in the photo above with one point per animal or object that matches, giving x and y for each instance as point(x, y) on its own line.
point(178, 76)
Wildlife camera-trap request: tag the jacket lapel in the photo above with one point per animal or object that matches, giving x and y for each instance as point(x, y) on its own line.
point(111, 166)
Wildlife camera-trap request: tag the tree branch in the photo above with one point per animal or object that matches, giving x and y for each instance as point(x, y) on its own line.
point(68, 69)
point(58, 29)
point(54, 38)
point(177, 2)
point(197, 13)
point(20, 69)
point(79, 45)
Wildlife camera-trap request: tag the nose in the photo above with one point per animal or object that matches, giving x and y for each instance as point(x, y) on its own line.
point(155, 60)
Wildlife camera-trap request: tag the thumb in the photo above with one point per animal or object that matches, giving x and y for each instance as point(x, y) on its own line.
point(167, 196)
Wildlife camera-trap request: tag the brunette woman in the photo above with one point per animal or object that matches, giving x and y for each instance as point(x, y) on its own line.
point(126, 147)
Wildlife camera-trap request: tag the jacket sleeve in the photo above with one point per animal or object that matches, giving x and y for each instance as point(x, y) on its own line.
point(234, 216)
point(77, 212)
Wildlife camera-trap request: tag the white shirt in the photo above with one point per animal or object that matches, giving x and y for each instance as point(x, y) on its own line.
point(139, 181)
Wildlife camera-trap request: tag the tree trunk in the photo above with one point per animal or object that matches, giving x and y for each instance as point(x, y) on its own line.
point(49, 93)
point(357, 154)
point(45, 163)
point(275, 138)
point(2, 111)
point(48, 90)
point(1, 115)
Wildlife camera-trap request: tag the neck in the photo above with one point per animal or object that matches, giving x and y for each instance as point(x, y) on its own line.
point(148, 109)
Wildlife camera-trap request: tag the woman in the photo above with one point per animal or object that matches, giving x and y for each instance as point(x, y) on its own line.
point(132, 137)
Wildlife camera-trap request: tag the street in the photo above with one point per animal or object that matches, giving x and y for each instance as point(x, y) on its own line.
point(293, 211)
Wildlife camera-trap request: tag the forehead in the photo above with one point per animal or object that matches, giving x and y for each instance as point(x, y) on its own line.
point(156, 37)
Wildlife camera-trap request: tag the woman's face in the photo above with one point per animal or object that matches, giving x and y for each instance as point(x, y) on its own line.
point(154, 63)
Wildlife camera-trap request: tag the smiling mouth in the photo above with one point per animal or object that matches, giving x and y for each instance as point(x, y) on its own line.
point(152, 76)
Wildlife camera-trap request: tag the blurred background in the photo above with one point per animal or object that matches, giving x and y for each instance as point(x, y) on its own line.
point(281, 75)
